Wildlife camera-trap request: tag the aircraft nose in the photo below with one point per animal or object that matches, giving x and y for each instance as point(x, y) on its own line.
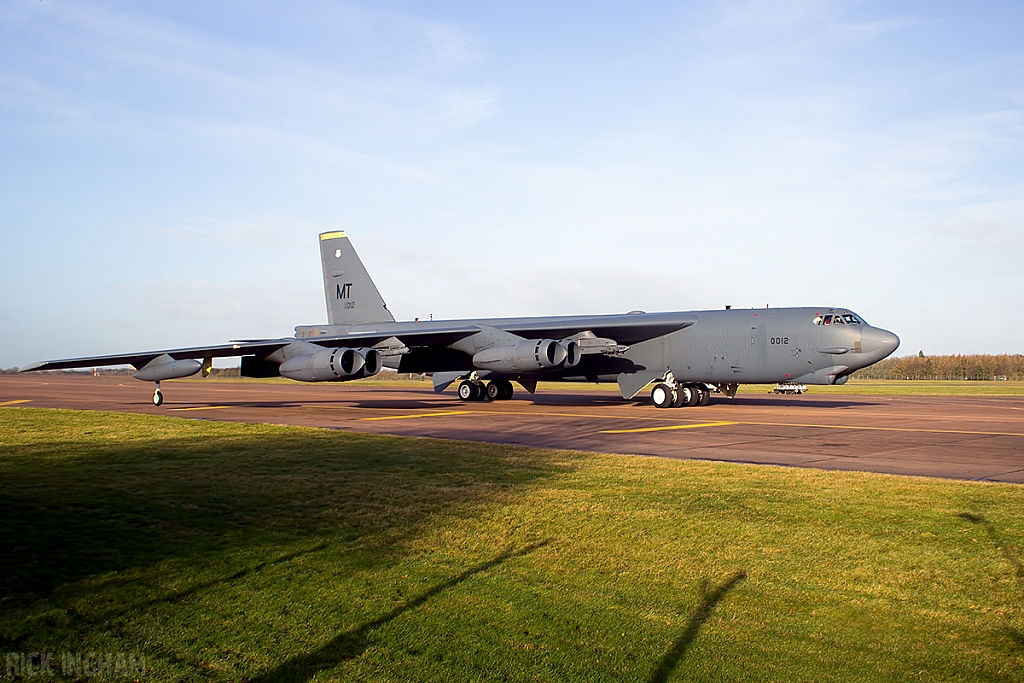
point(878, 342)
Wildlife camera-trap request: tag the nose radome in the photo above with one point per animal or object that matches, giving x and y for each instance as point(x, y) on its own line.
point(878, 342)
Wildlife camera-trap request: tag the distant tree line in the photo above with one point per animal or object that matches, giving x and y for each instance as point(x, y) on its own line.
point(975, 367)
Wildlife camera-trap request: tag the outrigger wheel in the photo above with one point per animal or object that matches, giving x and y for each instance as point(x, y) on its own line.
point(158, 396)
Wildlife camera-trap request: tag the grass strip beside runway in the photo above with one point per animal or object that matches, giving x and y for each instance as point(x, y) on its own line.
point(222, 551)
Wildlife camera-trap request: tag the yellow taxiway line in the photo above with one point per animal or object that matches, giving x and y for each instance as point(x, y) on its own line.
point(16, 402)
point(665, 428)
point(202, 408)
point(409, 417)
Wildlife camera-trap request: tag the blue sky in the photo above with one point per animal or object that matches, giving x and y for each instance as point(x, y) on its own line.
point(165, 167)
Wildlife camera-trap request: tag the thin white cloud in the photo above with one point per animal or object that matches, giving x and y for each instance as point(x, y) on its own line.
point(466, 107)
point(449, 45)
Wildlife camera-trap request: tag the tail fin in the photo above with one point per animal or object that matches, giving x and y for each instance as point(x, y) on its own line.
point(351, 294)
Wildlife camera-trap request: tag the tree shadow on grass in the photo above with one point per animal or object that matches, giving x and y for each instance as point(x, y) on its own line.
point(1016, 636)
point(352, 643)
point(1009, 552)
point(670, 660)
point(197, 587)
point(204, 493)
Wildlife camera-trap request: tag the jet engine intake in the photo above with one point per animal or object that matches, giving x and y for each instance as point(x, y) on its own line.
point(529, 355)
point(572, 352)
point(373, 361)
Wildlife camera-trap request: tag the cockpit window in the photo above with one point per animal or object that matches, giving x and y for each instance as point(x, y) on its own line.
point(837, 319)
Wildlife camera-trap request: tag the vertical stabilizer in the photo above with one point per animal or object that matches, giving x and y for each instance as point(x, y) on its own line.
point(351, 295)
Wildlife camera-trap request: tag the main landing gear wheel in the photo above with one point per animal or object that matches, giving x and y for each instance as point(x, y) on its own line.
point(470, 391)
point(500, 390)
point(705, 396)
point(694, 397)
point(662, 395)
point(682, 396)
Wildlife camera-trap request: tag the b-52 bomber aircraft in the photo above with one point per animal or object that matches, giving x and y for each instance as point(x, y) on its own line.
point(686, 355)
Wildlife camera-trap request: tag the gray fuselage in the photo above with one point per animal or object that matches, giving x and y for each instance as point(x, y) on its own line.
point(766, 346)
point(737, 346)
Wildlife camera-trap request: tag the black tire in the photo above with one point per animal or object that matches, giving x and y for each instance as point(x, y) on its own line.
point(493, 391)
point(468, 391)
point(158, 397)
point(682, 396)
point(705, 397)
point(506, 389)
point(662, 395)
point(694, 395)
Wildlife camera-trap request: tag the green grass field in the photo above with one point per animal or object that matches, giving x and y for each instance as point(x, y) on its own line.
point(220, 551)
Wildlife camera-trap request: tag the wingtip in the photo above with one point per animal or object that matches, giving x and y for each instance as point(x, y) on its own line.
point(32, 366)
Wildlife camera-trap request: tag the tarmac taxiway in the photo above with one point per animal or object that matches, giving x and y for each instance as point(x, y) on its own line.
point(979, 438)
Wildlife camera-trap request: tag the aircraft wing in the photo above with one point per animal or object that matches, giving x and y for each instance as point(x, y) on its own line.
point(409, 335)
point(628, 328)
point(625, 328)
point(140, 359)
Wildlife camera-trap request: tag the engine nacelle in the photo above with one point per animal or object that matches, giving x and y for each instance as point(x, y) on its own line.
point(529, 355)
point(164, 367)
point(332, 365)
